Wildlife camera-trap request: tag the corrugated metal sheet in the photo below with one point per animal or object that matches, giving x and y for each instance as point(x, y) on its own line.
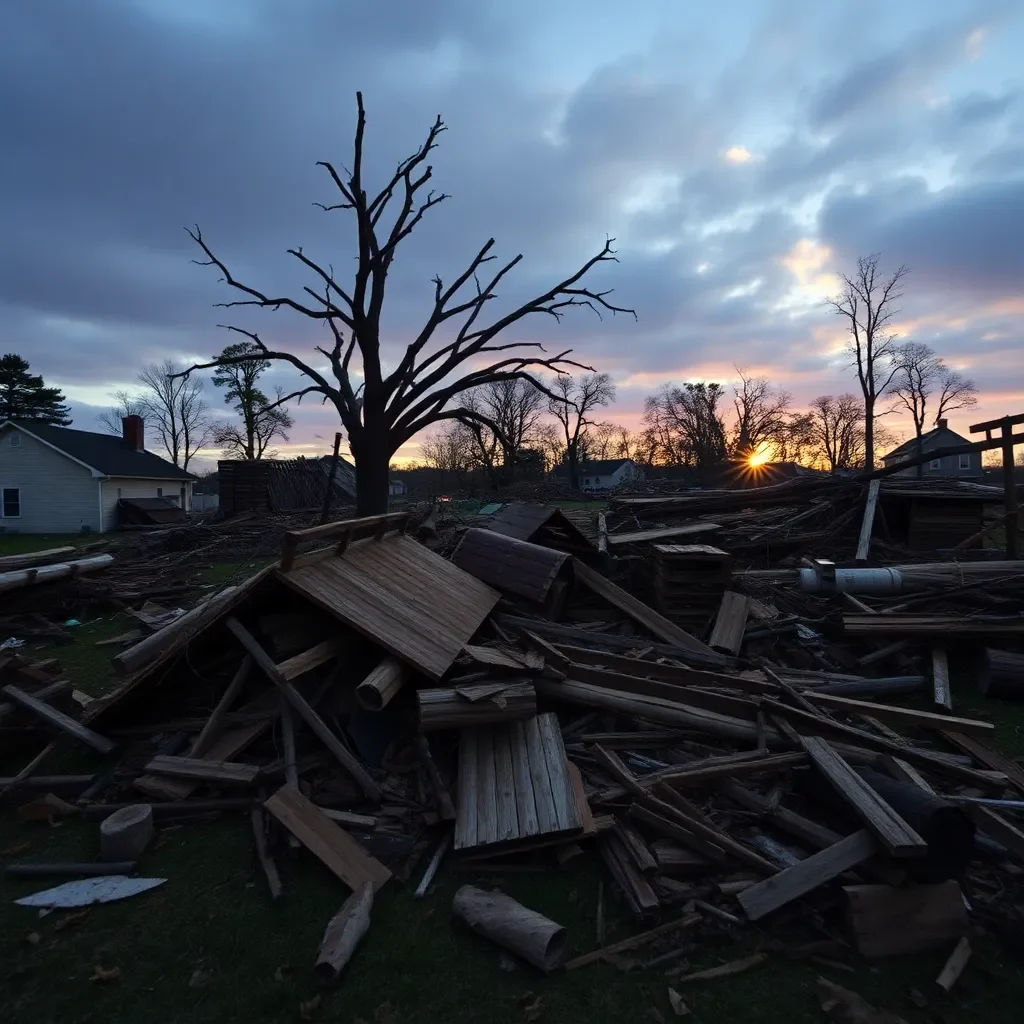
point(412, 602)
point(511, 565)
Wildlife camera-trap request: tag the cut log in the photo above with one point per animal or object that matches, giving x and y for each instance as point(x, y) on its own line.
point(343, 934)
point(808, 874)
point(450, 708)
point(146, 650)
point(58, 720)
point(378, 688)
point(1002, 674)
point(897, 836)
point(886, 921)
point(535, 938)
point(126, 833)
point(730, 623)
point(27, 560)
point(48, 573)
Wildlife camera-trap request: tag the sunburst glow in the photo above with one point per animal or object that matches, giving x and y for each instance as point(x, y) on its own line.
point(756, 459)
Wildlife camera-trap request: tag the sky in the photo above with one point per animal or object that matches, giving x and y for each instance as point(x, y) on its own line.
point(741, 153)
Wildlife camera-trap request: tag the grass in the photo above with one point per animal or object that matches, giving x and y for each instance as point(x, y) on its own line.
point(22, 543)
point(208, 947)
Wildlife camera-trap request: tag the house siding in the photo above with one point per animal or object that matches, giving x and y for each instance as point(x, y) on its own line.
point(949, 467)
point(57, 494)
point(132, 488)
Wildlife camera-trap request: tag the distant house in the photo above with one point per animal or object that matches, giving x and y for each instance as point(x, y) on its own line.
point(604, 474)
point(396, 487)
point(962, 466)
point(58, 480)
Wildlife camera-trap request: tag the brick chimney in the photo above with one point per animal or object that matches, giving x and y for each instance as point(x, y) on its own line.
point(942, 424)
point(133, 431)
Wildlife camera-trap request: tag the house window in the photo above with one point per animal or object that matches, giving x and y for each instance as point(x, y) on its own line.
point(15, 439)
point(965, 462)
point(12, 503)
point(935, 464)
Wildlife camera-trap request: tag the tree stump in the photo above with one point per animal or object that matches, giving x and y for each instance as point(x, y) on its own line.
point(126, 833)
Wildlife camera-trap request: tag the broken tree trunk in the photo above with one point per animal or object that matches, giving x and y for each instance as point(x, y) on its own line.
point(535, 938)
point(343, 934)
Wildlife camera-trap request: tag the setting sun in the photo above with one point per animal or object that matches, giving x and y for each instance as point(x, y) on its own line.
point(757, 459)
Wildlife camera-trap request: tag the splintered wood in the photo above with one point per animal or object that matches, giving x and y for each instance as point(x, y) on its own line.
point(514, 785)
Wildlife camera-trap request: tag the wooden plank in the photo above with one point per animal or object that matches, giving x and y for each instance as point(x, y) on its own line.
point(633, 942)
point(9, 563)
point(684, 776)
point(263, 855)
point(466, 795)
point(526, 804)
point(342, 528)
point(637, 610)
point(802, 878)
point(955, 965)
point(306, 661)
point(662, 533)
point(990, 821)
point(897, 836)
point(505, 788)
point(905, 716)
point(547, 815)
point(487, 797)
point(680, 675)
point(308, 715)
point(868, 522)
point(207, 771)
point(339, 852)
point(579, 794)
point(554, 759)
point(987, 756)
point(730, 623)
point(940, 681)
point(59, 720)
point(209, 731)
point(806, 830)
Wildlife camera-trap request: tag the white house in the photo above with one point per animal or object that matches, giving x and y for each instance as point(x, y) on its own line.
point(966, 466)
point(58, 480)
point(605, 474)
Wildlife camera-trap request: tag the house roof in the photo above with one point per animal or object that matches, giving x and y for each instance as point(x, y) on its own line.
point(939, 437)
point(595, 467)
point(107, 454)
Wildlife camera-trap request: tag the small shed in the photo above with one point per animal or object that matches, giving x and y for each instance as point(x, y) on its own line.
point(540, 524)
point(148, 512)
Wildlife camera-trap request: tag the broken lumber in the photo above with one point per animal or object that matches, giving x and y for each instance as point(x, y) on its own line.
point(805, 876)
point(343, 933)
point(730, 623)
point(327, 841)
point(955, 965)
point(897, 836)
point(887, 921)
point(208, 771)
point(263, 854)
point(209, 731)
point(454, 707)
point(58, 720)
point(904, 716)
point(943, 695)
point(634, 941)
point(27, 560)
point(57, 571)
point(348, 761)
point(535, 938)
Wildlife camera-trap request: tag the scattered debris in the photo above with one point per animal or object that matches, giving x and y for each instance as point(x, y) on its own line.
point(105, 974)
point(845, 1007)
point(88, 891)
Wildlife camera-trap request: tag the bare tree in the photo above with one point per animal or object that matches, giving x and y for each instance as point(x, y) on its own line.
point(176, 410)
point(868, 303)
point(686, 426)
point(126, 404)
point(920, 375)
point(797, 439)
point(571, 404)
point(387, 409)
point(761, 416)
point(837, 432)
point(549, 441)
point(514, 407)
point(449, 448)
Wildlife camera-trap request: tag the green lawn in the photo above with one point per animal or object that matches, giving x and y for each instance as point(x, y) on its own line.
point(209, 946)
point(21, 543)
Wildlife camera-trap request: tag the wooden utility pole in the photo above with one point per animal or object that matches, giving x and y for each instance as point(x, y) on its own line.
point(325, 511)
point(1006, 441)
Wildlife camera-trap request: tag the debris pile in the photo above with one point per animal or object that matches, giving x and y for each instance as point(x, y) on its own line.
point(737, 753)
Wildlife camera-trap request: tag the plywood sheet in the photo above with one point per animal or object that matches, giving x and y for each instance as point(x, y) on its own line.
point(412, 602)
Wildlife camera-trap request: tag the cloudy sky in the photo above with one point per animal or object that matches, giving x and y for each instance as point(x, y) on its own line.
point(740, 152)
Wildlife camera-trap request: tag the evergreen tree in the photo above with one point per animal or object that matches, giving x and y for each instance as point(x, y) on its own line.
point(24, 396)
